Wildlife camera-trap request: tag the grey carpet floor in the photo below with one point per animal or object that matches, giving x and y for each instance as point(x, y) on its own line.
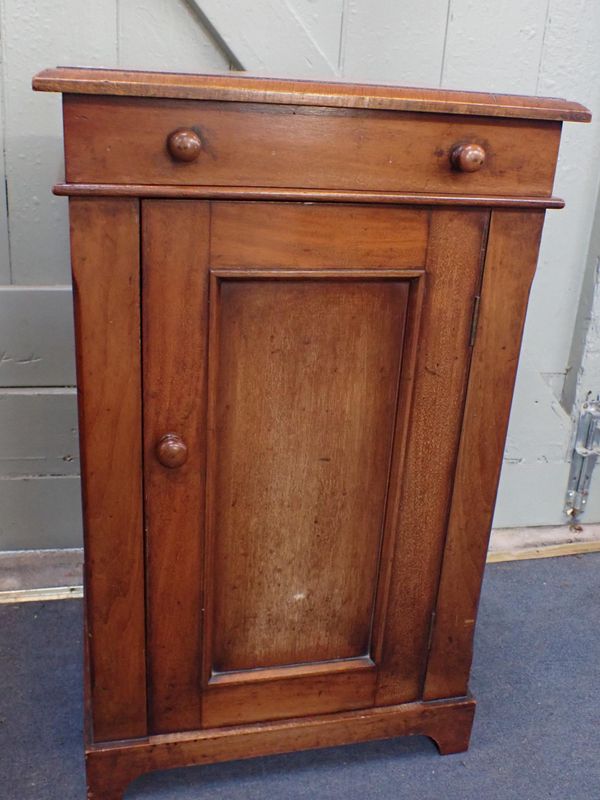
point(536, 736)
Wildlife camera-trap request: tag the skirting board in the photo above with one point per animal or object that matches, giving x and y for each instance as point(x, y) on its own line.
point(41, 595)
point(39, 575)
point(30, 575)
point(518, 544)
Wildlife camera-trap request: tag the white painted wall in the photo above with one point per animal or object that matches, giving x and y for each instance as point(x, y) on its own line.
point(523, 46)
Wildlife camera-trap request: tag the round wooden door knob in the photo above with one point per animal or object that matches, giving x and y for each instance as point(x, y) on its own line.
point(171, 451)
point(184, 144)
point(467, 157)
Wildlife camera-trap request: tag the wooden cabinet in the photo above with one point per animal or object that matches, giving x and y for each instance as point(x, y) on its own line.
point(298, 309)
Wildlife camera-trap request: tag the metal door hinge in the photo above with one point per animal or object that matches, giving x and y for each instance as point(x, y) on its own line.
point(585, 453)
point(474, 320)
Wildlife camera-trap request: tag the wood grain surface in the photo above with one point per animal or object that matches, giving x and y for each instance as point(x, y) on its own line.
point(303, 328)
point(420, 494)
point(303, 401)
point(111, 768)
point(307, 195)
point(124, 140)
point(231, 87)
point(509, 268)
point(106, 262)
point(316, 235)
point(175, 245)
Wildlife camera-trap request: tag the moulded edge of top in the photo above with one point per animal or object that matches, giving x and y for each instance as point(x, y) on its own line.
point(236, 87)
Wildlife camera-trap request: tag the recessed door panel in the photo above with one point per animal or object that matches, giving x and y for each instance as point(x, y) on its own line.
point(304, 382)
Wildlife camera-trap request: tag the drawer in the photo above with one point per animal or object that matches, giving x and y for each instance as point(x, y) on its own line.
point(124, 141)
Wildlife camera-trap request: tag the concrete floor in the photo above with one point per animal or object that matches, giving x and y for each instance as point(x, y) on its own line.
point(536, 737)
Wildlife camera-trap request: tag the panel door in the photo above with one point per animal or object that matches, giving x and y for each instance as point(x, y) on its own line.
point(304, 372)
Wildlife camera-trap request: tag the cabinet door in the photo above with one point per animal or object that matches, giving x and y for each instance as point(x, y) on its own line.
point(309, 362)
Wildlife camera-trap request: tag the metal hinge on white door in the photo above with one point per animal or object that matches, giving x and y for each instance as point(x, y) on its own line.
point(585, 454)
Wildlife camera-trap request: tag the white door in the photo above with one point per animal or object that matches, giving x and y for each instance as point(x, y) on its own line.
point(544, 47)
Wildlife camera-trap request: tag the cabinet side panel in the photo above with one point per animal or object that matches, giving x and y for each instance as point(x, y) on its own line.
point(509, 268)
point(420, 488)
point(175, 243)
point(105, 261)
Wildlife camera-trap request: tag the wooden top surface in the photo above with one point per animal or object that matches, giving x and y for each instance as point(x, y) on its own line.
point(242, 88)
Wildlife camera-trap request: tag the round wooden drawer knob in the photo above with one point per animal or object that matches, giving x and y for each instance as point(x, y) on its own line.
point(171, 451)
point(184, 144)
point(467, 157)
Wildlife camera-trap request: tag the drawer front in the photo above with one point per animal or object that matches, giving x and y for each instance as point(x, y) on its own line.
point(125, 141)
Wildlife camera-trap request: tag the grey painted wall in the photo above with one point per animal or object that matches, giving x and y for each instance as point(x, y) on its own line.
point(523, 46)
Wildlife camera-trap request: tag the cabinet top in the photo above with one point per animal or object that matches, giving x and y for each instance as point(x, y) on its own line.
point(242, 88)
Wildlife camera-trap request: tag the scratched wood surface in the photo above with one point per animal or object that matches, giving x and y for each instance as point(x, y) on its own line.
point(303, 395)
